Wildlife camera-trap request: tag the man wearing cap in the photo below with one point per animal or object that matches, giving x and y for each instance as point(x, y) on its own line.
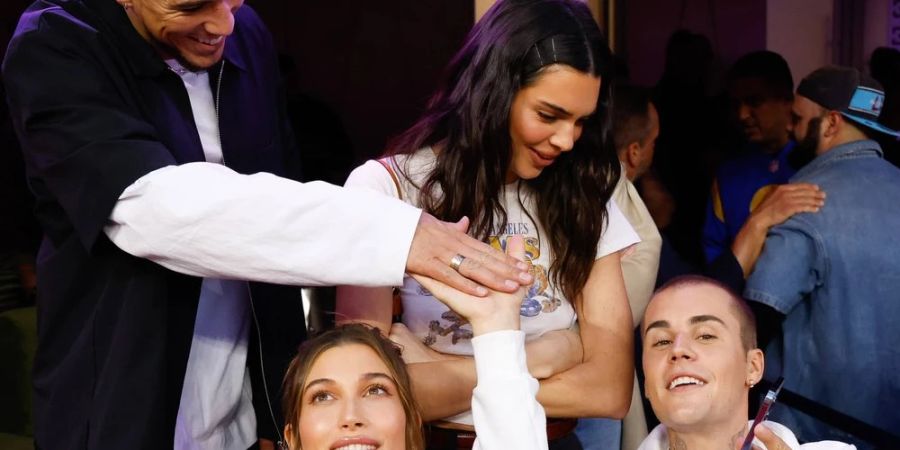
point(834, 276)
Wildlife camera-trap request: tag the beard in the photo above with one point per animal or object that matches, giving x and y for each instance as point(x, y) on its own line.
point(805, 150)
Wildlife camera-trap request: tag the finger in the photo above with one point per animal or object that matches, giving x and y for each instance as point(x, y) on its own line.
point(800, 186)
point(487, 265)
point(462, 225)
point(443, 291)
point(483, 252)
point(436, 243)
point(515, 247)
point(497, 275)
point(769, 438)
point(442, 272)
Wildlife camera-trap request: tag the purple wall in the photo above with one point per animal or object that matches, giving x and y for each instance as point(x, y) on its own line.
point(375, 63)
point(734, 27)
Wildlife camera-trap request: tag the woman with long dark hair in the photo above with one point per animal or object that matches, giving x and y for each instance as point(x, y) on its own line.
point(517, 140)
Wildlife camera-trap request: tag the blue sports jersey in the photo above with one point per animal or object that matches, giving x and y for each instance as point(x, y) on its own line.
point(739, 187)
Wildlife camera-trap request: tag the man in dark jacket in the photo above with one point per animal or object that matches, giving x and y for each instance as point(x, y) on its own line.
point(156, 144)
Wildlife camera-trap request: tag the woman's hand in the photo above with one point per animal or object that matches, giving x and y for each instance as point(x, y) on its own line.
point(497, 311)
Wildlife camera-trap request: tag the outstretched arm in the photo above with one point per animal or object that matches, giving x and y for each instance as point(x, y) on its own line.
point(504, 408)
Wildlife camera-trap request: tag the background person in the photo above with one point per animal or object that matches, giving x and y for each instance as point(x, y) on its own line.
point(830, 280)
point(635, 129)
point(760, 89)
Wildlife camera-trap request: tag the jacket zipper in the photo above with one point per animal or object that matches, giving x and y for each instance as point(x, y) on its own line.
point(280, 444)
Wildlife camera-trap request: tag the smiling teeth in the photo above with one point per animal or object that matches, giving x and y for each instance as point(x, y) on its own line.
point(214, 42)
point(356, 447)
point(680, 381)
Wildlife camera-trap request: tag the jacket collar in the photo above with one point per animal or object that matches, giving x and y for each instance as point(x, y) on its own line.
point(861, 148)
point(141, 56)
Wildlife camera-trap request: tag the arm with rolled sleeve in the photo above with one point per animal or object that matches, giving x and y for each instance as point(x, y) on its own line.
point(96, 165)
point(206, 220)
point(504, 408)
point(790, 267)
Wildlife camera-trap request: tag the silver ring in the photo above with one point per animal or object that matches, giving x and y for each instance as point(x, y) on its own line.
point(457, 261)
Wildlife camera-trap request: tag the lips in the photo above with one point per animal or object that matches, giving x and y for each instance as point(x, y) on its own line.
point(355, 443)
point(210, 41)
point(356, 447)
point(541, 159)
point(683, 381)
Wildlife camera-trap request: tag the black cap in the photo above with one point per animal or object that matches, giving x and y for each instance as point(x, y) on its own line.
point(855, 95)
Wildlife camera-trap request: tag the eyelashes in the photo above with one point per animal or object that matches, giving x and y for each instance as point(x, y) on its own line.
point(323, 395)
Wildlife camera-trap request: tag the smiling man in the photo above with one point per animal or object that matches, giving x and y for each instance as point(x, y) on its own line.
point(157, 145)
point(700, 361)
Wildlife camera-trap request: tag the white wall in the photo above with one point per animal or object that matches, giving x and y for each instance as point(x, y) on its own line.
point(800, 30)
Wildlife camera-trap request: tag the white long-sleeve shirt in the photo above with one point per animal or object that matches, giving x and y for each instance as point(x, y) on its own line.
point(504, 404)
point(205, 220)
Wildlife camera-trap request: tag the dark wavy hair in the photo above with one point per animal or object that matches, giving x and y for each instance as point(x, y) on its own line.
point(468, 120)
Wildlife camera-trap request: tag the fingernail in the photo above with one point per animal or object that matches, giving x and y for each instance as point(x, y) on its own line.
point(522, 265)
point(481, 291)
point(525, 277)
point(511, 284)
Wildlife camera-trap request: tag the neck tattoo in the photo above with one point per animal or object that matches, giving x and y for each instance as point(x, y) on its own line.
point(677, 443)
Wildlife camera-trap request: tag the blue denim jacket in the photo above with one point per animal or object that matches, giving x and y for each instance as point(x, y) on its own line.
point(835, 274)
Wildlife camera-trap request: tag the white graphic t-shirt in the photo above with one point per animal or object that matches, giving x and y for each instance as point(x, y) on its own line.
point(544, 307)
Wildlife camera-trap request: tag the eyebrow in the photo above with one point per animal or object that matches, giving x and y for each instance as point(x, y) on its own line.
point(366, 376)
point(558, 109)
point(374, 375)
point(706, 318)
point(189, 3)
point(693, 321)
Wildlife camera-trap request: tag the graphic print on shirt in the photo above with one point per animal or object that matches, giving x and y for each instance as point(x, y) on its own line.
point(539, 297)
point(455, 326)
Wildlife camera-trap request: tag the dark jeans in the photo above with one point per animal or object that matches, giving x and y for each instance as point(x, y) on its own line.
point(567, 442)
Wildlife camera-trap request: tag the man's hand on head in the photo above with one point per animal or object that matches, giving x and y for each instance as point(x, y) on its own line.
point(436, 243)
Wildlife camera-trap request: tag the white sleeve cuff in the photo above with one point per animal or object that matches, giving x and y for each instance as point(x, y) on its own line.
point(500, 354)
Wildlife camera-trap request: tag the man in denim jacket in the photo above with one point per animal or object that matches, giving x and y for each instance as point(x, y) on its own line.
point(835, 275)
